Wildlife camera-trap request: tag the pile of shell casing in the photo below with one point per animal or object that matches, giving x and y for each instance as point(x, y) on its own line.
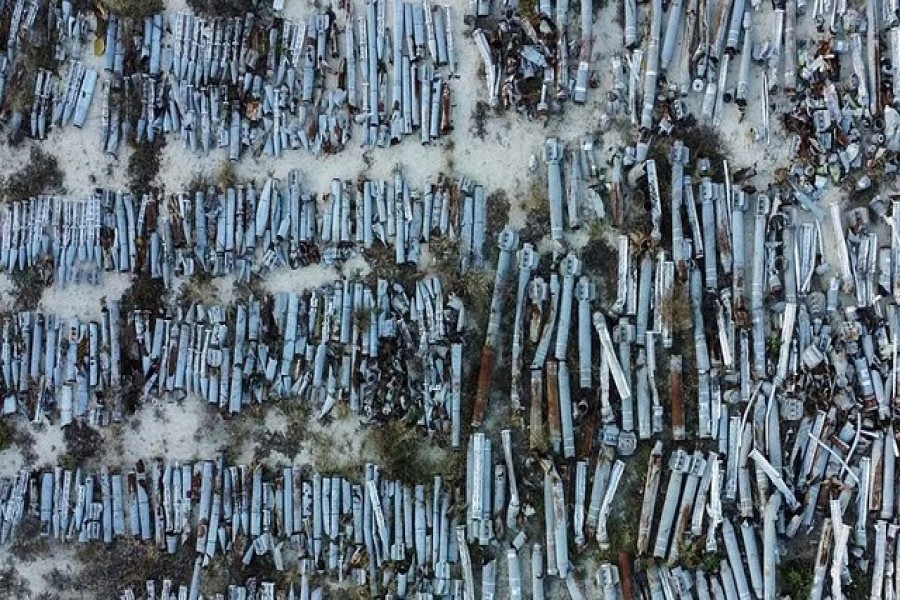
point(240, 231)
point(249, 85)
point(526, 57)
point(165, 589)
point(321, 348)
point(376, 532)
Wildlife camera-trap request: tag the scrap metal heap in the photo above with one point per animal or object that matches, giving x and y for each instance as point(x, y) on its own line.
point(54, 100)
point(252, 589)
point(321, 348)
point(841, 131)
point(374, 532)
point(254, 84)
point(784, 388)
point(764, 416)
point(577, 191)
point(242, 231)
point(284, 98)
point(526, 57)
point(821, 68)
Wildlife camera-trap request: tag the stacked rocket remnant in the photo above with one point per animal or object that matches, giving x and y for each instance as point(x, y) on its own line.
point(528, 262)
point(579, 96)
point(508, 242)
point(212, 507)
point(572, 201)
point(419, 92)
point(322, 347)
point(211, 82)
point(553, 156)
point(755, 363)
point(295, 109)
point(837, 129)
point(70, 94)
point(326, 350)
point(652, 65)
point(251, 588)
point(516, 48)
point(59, 102)
point(240, 231)
point(55, 365)
point(793, 389)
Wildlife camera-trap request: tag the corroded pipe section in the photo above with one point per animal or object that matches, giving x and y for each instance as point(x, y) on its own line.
point(507, 242)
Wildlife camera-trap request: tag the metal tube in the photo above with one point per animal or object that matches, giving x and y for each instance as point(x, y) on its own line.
point(631, 17)
point(651, 71)
point(553, 156)
point(651, 486)
point(507, 241)
point(579, 96)
point(673, 29)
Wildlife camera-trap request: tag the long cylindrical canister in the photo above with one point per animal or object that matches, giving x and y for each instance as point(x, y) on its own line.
point(673, 29)
point(579, 96)
point(652, 66)
point(508, 242)
point(631, 19)
point(734, 27)
point(554, 152)
point(743, 85)
point(790, 45)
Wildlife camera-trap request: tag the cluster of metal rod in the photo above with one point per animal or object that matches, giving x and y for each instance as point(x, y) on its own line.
point(526, 62)
point(212, 91)
point(691, 55)
point(216, 94)
point(324, 349)
point(67, 231)
point(250, 590)
point(786, 392)
point(842, 130)
point(573, 199)
point(496, 511)
point(375, 532)
point(422, 39)
point(56, 101)
point(53, 364)
point(206, 82)
point(76, 98)
point(841, 120)
point(40, 110)
point(805, 334)
point(239, 231)
point(21, 23)
point(813, 335)
point(379, 532)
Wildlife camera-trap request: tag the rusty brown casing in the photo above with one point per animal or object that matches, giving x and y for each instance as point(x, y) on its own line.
point(446, 106)
point(650, 496)
point(617, 208)
point(877, 471)
point(626, 576)
point(536, 415)
point(589, 426)
point(484, 385)
point(553, 419)
point(823, 551)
